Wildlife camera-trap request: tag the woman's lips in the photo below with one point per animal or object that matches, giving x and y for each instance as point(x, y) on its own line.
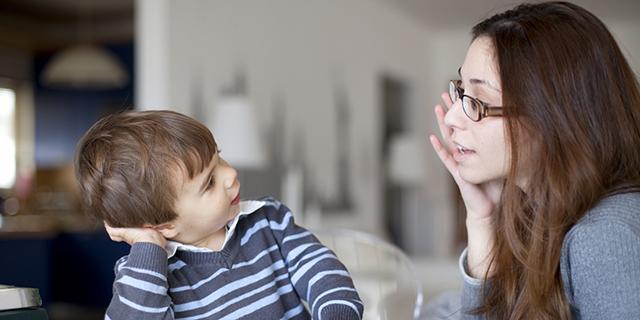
point(461, 153)
point(236, 200)
point(459, 156)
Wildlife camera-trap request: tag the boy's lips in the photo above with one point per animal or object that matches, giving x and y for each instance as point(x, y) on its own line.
point(236, 200)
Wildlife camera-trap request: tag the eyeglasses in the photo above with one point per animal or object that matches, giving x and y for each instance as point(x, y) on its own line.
point(474, 108)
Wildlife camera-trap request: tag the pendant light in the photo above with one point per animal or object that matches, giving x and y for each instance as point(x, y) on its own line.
point(86, 65)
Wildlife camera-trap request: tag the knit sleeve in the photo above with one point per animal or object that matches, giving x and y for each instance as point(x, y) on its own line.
point(318, 276)
point(602, 273)
point(471, 291)
point(140, 286)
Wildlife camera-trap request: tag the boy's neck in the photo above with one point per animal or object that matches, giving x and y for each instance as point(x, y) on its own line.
point(213, 242)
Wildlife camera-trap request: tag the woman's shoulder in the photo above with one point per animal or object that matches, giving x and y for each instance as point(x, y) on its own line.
point(600, 253)
point(619, 209)
point(613, 222)
point(614, 215)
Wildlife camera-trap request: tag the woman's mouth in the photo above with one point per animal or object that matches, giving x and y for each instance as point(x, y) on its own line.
point(462, 153)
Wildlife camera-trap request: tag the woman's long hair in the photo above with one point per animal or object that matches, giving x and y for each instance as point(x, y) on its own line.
point(573, 122)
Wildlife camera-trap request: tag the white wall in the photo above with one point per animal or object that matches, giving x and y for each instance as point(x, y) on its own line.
point(152, 80)
point(626, 33)
point(298, 51)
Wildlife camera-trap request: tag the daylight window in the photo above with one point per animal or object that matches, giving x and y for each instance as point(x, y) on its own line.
point(7, 138)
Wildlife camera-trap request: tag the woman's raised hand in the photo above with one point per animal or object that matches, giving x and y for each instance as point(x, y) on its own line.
point(480, 200)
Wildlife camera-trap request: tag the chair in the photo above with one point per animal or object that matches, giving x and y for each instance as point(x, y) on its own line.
point(383, 274)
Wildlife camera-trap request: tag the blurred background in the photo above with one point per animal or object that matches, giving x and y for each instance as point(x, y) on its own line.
point(323, 104)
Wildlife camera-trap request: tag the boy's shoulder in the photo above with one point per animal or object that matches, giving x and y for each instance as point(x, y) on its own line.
point(270, 201)
point(271, 214)
point(271, 209)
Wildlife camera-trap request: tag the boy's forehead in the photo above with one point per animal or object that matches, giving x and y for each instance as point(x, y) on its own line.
point(183, 182)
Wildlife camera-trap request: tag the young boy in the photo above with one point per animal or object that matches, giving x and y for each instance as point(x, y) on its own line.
point(157, 180)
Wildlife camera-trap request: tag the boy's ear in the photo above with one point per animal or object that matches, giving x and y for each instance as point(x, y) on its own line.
point(168, 230)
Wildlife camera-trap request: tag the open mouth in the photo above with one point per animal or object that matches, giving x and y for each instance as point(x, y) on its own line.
point(462, 153)
point(462, 150)
point(236, 200)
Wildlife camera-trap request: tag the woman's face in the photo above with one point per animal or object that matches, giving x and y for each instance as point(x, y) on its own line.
point(485, 156)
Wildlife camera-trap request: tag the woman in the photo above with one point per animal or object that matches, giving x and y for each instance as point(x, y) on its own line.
point(542, 135)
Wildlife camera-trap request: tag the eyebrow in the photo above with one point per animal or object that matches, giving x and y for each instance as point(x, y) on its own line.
point(487, 84)
point(207, 178)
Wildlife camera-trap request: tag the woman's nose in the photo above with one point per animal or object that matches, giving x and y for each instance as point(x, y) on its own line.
point(455, 117)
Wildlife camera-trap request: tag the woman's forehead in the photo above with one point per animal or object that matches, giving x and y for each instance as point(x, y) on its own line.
point(480, 66)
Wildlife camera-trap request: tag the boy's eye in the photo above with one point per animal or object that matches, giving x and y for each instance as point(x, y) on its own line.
point(211, 182)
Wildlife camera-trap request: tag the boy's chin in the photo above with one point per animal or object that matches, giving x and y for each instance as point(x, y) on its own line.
point(233, 212)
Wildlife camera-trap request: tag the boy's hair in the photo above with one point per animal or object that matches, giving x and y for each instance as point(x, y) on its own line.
point(128, 164)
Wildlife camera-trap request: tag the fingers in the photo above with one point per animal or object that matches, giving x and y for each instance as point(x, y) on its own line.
point(445, 131)
point(445, 157)
point(114, 233)
point(445, 149)
point(447, 100)
point(135, 234)
point(108, 228)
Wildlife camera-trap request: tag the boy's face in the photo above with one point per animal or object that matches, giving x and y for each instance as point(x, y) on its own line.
point(205, 204)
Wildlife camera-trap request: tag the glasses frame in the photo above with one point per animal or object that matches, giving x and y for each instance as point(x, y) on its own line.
point(457, 92)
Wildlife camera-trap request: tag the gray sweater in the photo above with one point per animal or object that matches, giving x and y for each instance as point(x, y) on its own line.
point(599, 263)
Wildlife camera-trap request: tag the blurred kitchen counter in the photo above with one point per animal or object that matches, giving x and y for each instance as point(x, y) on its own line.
point(45, 225)
point(67, 256)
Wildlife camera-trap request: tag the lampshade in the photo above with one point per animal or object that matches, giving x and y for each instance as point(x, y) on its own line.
point(85, 67)
point(235, 128)
point(406, 160)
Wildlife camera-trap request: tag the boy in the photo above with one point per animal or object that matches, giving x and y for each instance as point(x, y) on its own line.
point(157, 180)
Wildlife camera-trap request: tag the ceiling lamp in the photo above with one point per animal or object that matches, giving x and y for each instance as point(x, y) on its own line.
point(236, 127)
point(85, 67)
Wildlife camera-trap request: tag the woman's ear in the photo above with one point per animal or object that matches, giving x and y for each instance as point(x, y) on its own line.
point(168, 230)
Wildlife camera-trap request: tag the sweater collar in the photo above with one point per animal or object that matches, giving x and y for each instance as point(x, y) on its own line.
point(246, 208)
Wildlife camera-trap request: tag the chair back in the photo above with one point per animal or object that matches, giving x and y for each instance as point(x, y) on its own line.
point(382, 273)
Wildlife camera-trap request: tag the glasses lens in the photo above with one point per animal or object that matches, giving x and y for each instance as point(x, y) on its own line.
point(453, 93)
point(471, 108)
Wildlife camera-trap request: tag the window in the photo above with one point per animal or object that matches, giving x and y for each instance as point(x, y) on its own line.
point(7, 138)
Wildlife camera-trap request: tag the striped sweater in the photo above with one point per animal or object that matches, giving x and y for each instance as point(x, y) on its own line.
point(267, 267)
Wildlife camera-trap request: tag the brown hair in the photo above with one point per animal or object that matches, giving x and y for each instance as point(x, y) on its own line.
point(575, 101)
point(126, 164)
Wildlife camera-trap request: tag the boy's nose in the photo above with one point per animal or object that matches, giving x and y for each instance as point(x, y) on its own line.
point(229, 174)
point(231, 177)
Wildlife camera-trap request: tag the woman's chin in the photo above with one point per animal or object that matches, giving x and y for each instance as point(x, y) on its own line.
point(473, 176)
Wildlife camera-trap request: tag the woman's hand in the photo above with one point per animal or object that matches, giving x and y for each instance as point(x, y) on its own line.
point(480, 200)
point(133, 235)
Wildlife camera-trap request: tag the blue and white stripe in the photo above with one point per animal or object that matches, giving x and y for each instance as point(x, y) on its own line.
point(267, 269)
